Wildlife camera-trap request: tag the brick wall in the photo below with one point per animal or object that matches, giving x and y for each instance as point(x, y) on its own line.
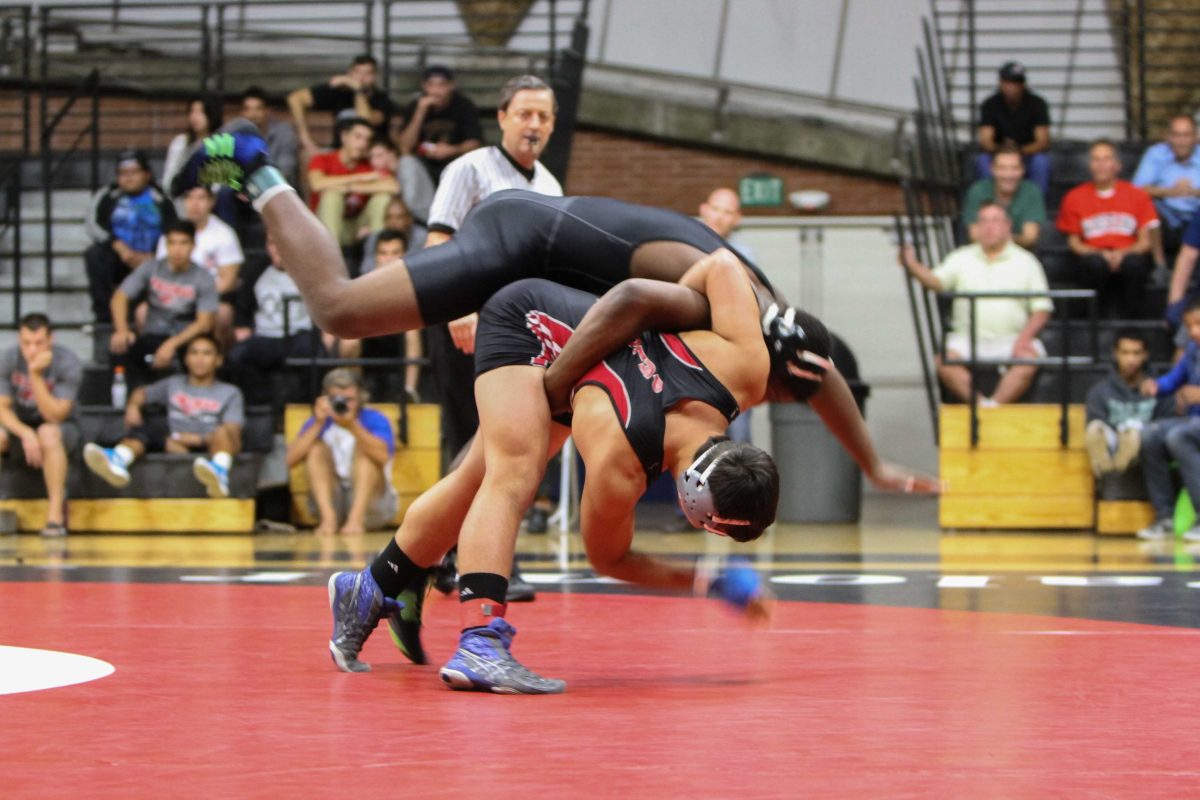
point(679, 177)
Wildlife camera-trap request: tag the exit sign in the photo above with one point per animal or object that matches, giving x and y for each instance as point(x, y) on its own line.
point(761, 190)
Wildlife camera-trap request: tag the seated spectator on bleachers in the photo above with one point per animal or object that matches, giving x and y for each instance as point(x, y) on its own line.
point(217, 250)
point(1005, 328)
point(397, 219)
point(264, 343)
point(1117, 411)
point(1007, 187)
point(1184, 289)
point(347, 194)
point(181, 300)
point(203, 118)
point(347, 451)
point(203, 415)
point(1174, 438)
point(280, 136)
point(354, 91)
point(389, 247)
point(1014, 115)
point(1170, 173)
point(38, 383)
point(1107, 223)
point(124, 223)
point(440, 124)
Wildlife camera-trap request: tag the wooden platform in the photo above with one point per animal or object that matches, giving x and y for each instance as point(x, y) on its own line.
point(1121, 517)
point(138, 515)
point(1019, 476)
point(415, 467)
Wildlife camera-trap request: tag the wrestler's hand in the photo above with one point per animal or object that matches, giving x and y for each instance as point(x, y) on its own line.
point(558, 392)
point(462, 330)
point(895, 478)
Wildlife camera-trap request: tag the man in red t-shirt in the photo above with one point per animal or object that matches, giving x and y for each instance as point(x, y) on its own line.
point(348, 196)
point(1108, 224)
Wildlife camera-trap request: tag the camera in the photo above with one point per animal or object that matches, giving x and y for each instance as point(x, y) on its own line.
point(340, 405)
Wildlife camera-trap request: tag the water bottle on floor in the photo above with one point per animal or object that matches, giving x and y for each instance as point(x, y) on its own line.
point(120, 392)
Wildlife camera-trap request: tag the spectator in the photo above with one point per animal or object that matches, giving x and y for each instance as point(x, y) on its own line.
point(1117, 411)
point(1183, 289)
point(1108, 223)
point(203, 118)
point(415, 198)
point(38, 383)
point(216, 249)
point(1175, 438)
point(1005, 328)
point(1022, 198)
point(277, 327)
point(125, 222)
point(1015, 115)
point(399, 219)
point(203, 415)
point(440, 124)
point(354, 91)
point(347, 450)
point(1170, 173)
point(280, 136)
point(181, 304)
point(389, 246)
point(346, 193)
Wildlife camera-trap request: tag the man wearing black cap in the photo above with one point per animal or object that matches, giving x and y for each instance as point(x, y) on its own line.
point(1015, 114)
point(439, 124)
point(125, 222)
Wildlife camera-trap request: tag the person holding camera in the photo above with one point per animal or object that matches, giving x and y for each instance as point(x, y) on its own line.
point(347, 449)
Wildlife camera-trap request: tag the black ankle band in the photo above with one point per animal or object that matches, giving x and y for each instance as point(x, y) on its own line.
point(482, 586)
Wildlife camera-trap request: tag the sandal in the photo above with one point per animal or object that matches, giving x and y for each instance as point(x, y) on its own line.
point(54, 530)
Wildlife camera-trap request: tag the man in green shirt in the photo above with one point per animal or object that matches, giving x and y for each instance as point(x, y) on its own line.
point(1007, 187)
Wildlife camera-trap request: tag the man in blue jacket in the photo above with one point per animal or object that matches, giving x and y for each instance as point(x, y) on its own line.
point(1175, 438)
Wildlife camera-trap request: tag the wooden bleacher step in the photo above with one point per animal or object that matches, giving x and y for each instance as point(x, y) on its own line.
point(1018, 476)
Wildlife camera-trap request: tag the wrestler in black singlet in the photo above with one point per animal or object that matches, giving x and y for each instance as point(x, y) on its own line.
point(529, 322)
point(586, 243)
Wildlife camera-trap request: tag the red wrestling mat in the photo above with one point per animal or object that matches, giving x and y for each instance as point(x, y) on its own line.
point(227, 691)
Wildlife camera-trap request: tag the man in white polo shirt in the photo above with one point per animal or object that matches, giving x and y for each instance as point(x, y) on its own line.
point(525, 112)
point(1005, 328)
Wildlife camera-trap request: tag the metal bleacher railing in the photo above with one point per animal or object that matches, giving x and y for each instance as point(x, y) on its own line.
point(56, 57)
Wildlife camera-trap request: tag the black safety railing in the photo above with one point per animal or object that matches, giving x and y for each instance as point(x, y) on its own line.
point(16, 61)
point(1064, 361)
point(313, 364)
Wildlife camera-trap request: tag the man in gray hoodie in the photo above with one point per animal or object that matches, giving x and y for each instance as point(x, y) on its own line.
point(1117, 411)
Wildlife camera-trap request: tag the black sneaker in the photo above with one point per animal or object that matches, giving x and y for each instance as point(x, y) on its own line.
point(538, 520)
point(404, 624)
point(519, 589)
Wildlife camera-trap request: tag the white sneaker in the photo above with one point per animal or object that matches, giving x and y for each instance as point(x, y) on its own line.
point(1159, 529)
point(104, 462)
point(1192, 534)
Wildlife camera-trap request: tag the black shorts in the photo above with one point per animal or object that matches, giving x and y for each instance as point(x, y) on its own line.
point(71, 437)
point(586, 243)
point(527, 322)
point(154, 432)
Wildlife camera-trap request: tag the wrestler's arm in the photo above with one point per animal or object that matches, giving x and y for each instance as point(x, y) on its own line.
point(614, 483)
point(640, 304)
point(835, 405)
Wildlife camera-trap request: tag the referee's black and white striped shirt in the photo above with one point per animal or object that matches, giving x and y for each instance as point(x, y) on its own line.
point(474, 176)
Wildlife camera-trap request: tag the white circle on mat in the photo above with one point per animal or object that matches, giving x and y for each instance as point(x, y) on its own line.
point(23, 669)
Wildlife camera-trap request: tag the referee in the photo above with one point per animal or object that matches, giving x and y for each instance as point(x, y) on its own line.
point(526, 112)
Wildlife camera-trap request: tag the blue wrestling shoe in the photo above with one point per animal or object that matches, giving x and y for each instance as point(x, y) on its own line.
point(214, 477)
point(483, 663)
point(357, 605)
point(236, 151)
point(404, 624)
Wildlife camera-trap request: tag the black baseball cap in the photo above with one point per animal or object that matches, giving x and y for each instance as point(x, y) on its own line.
point(131, 157)
point(438, 71)
point(1013, 71)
